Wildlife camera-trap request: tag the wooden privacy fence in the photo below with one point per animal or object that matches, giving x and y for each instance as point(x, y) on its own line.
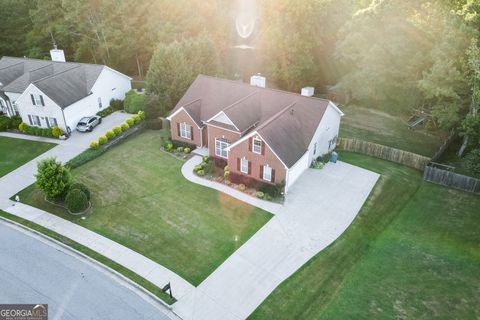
point(448, 178)
point(383, 152)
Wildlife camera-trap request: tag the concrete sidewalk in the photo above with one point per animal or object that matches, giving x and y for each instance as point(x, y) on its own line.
point(124, 256)
point(318, 209)
point(29, 137)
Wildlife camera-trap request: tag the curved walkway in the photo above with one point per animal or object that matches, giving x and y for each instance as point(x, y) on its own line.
point(187, 171)
point(318, 209)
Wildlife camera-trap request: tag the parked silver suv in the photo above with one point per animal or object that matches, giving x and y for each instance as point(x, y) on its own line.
point(87, 124)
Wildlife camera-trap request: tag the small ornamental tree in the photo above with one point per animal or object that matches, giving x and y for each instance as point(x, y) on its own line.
point(53, 178)
point(76, 201)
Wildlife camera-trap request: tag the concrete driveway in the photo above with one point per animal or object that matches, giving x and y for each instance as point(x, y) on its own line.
point(319, 208)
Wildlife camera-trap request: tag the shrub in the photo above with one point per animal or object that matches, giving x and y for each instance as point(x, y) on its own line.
point(180, 149)
point(4, 123)
point(102, 140)
point(141, 114)
point(136, 118)
point(134, 102)
point(124, 127)
point(168, 145)
point(226, 168)
point(201, 173)
point(94, 145)
point(203, 164)
point(206, 159)
point(472, 162)
point(208, 168)
point(182, 144)
point(105, 112)
point(197, 168)
point(130, 122)
point(22, 127)
point(242, 187)
point(260, 194)
point(228, 182)
point(53, 178)
point(38, 131)
point(117, 130)
point(15, 122)
point(271, 189)
point(268, 197)
point(84, 157)
point(57, 132)
point(226, 174)
point(187, 150)
point(110, 134)
point(81, 187)
point(76, 201)
point(116, 104)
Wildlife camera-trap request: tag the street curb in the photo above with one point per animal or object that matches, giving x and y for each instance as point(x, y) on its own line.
point(116, 274)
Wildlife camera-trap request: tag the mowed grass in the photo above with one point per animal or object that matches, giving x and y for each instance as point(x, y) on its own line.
point(141, 200)
point(412, 253)
point(16, 152)
point(390, 130)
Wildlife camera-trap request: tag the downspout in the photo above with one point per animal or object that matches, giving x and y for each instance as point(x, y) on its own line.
point(64, 121)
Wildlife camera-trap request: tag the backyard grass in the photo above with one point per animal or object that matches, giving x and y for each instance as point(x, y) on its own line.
point(16, 152)
point(141, 200)
point(412, 253)
point(390, 130)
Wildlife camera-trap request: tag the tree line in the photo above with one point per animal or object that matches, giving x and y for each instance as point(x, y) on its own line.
point(402, 55)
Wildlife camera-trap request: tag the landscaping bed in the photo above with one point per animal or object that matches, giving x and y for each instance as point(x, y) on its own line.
point(142, 201)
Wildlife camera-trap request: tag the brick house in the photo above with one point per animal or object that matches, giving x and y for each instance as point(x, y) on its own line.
point(263, 134)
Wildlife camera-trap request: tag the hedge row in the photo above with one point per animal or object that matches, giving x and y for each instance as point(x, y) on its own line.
point(43, 132)
point(115, 131)
point(9, 123)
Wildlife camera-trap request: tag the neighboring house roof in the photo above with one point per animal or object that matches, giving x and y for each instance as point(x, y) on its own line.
point(64, 82)
point(286, 121)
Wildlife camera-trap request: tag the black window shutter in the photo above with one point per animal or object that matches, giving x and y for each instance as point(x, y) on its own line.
point(33, 99)
point(30, 119)
point(41, 99)
point(48, 121)
point(191, 133)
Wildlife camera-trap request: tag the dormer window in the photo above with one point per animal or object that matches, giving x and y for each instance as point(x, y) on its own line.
point(37, 100)
point(257, 146)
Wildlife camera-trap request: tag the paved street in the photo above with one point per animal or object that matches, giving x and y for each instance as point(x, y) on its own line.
point(35, 270)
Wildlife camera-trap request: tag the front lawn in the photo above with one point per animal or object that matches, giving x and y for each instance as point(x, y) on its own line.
point(411, 253)
point(141, 200)
point(16, 152)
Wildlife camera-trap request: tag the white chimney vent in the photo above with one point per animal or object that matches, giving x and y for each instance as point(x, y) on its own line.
point(258, 81)
point(57, 55)
point(308, 91)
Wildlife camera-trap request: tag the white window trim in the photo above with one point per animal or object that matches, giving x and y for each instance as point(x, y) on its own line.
point(218, 150)
point(34, 117)
point(253, 146)
point(243, 162)
point(51, 122)
point(269, 174)
point(185, 130)
point(37, 99)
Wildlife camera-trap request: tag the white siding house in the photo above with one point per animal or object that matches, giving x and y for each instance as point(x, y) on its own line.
point(54, 93)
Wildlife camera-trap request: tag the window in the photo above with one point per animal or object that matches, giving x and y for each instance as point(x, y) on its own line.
point(51, 122)
point(267, 173)
point(34, 120)
point(221, 146)
point(257, 146)
point(185, 131)
point(37, 99)
point(99, 102)
point(315, 149)
point(244, 165)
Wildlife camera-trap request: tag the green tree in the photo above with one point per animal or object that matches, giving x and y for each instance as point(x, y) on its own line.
point(53, 178)
point(174, 67)
point(14, 26)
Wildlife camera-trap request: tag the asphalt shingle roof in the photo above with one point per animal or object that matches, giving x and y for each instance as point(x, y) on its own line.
point(287, 121)
point(64, 82)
